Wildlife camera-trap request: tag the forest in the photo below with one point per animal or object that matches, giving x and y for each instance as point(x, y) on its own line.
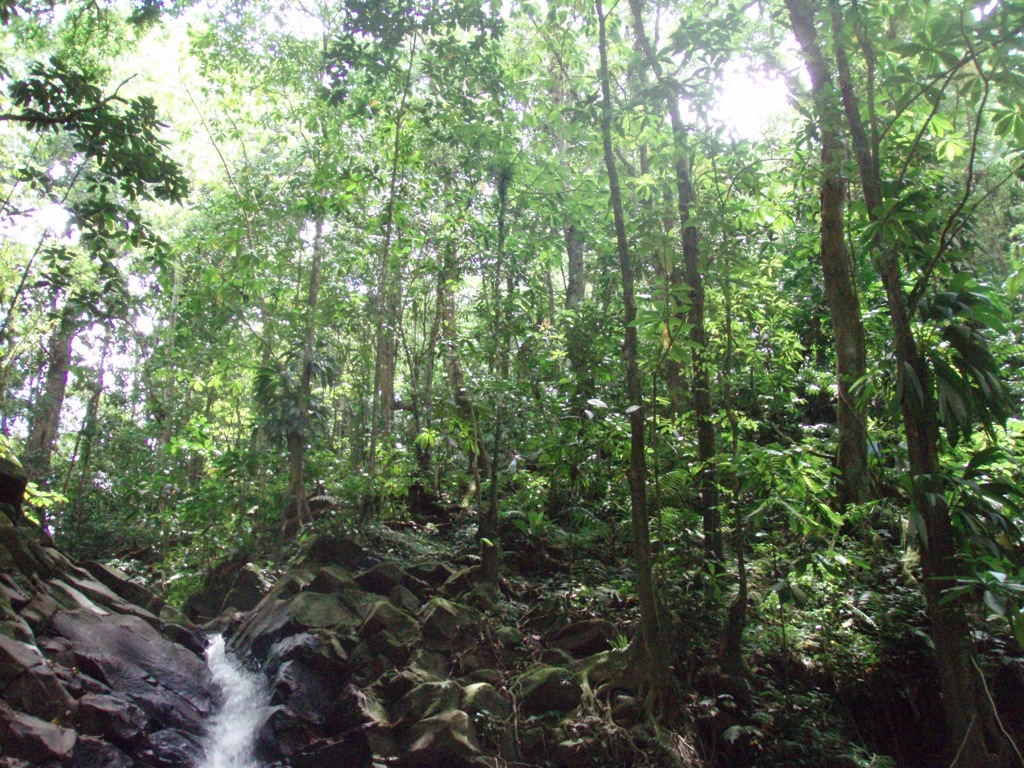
point(701, 317)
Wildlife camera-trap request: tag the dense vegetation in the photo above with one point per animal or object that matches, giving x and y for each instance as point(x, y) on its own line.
point(271, 268)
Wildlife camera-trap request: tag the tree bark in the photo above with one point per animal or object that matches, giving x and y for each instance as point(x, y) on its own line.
point(836, 265)
point(708, 501)
point(975, 736)
point(45, 424)
point(297, 511)
point(654, 636)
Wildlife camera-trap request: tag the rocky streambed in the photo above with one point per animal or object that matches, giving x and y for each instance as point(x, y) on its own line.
point(383, 664)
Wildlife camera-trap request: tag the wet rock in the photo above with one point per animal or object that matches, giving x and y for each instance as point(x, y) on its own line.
point(28, 683)
point(246, 591)
point(95, 753)
point(548, 689)
point(275, 619)
point(308, 691)
point(584, 638)
point(32, 739)
point(351, 751)
point(173, 748)
point(446, 740)
point(112, 718)
point(120, 583)
point(172, 685)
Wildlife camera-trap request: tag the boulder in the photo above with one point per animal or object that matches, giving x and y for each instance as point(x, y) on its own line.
point(381, 578)
point(330, 579)
point(112, 718)
point(246, 591)
point(119, 582)
point(428, 699)
point(169, 683)
point(32, 739)
point(446, 740)
point(442, 620)
point(548, 689)
point(335, 550)
point(28, 683)
point(95, 753)
point(385, 617)
point(484, 699)
point(173, 748)
point(13, 481)
point(584, 638)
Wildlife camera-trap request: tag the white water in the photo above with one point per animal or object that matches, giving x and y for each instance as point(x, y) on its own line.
point(233, 730)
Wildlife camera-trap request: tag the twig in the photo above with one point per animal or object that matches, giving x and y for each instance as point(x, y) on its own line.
point(995, 712)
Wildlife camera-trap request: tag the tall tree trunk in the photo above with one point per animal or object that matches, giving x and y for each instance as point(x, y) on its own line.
point(45, 424)
point(297, 510)
point(479, 460)
point(836, 265)
point(975, 735)
point(654, 635)
point(701, 381)
point(385, 299)
point(490, 546)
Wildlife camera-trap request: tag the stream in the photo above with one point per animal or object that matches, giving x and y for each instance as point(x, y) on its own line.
point(233, 730)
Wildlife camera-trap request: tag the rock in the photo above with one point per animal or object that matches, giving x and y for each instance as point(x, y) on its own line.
point(351, 751)
point(381, 578)
point(385, 617)
point(376, 655)
point(335, 550)
point(112, 718)
point(94, 753)
point(119, 582)
point(508, 636)
point(28, 683)
point(431, 573)
point(584, 638)
point(173, 748)
point(13, 481)
point(428, 699)
point(578, 752)
point(330, 579)
point(441, 620)
point(446, 740)
point(403, 598)
point(172, 685)
point(548, 689)
point(276, 618)
point(246, 591)
point(484, 699)
point(32, 739)
point(308, 691)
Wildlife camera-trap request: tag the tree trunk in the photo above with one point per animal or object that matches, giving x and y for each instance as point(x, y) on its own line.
point(479, 460)
point(490, 549)
point(297, 511)
point(654, 637)
point(975, 736)
point(708, 502)
point(385, 349)
point(46, 420)
point(836, 265)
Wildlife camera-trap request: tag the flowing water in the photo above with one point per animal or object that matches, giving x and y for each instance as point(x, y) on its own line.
point(233, 730)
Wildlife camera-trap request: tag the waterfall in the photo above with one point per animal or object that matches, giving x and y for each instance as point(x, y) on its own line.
point(233, 730)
